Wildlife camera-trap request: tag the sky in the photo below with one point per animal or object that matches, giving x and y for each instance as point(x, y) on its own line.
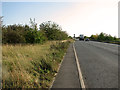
point(84, 17)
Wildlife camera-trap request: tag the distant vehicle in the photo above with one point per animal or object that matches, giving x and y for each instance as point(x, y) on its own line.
point(87, 39)
point(81, 37)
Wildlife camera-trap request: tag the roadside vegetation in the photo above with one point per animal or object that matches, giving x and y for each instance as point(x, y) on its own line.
point(14, 34)
point(103, 37)
point(31, 55)
point(32, 65)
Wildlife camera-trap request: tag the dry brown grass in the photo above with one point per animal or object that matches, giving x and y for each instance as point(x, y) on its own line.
point(21, 65)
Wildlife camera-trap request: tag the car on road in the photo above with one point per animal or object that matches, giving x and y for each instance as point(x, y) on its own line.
point(87, 39)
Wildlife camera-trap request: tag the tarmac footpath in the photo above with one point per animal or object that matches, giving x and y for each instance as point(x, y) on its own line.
point(67, 76)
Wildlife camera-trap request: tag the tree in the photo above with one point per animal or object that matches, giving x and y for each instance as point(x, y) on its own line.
point(70, 37)
point(1, 21)
point(33, 35)
point(53, 31)
point(101, 37)
point(94, 37)
point(30, 34)
point(33, 24)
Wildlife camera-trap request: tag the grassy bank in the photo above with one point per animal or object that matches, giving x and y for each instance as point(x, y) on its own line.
point(31, 66)
point(112, 42)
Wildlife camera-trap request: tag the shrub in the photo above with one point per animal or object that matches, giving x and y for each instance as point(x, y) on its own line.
point(13, 37)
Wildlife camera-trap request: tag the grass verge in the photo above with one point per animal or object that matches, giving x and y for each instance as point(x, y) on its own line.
point(31, 66)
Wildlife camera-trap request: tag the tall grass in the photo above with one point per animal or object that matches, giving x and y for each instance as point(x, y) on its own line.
point(31, 66)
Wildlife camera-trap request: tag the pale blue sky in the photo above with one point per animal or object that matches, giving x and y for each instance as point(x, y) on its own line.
point(21, 12)
point(85, 17)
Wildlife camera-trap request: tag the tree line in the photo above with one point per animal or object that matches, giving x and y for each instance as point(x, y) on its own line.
point(31, 34)
point(103, 37)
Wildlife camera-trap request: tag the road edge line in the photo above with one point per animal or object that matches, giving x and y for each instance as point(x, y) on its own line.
point(79, 70)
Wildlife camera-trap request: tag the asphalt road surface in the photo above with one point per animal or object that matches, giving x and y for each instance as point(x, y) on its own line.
point(99, 63)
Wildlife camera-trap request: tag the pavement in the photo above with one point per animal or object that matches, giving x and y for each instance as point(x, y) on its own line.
point(99, 63)
point(67, 76)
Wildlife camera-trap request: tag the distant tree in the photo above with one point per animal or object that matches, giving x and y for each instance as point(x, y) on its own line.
point(110, 38)
point(115, 38)
point(85, 36)
point(101, 37)
point(70, 37)
point(1, 21)
point(94, 37)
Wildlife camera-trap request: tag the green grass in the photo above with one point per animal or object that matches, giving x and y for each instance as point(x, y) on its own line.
point(112, 42)
point(31, 66)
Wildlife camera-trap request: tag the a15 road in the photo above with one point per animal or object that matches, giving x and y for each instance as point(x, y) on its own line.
point(99, 63)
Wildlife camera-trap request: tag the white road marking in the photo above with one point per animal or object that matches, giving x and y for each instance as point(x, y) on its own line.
point(79, 70)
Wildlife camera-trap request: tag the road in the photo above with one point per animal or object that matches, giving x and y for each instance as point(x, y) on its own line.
point(99, 63)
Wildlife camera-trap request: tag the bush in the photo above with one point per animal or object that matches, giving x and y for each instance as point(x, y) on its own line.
point(22, 34)
point(12, 37)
